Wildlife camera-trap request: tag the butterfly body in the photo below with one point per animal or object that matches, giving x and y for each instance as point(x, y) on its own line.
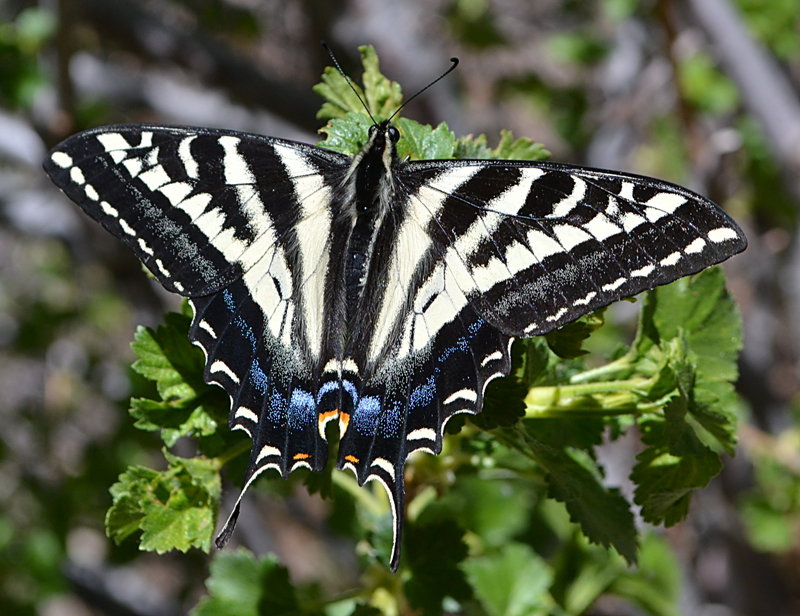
point(379, 293)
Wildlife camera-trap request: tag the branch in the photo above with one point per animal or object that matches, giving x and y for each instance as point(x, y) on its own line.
point(766, 92)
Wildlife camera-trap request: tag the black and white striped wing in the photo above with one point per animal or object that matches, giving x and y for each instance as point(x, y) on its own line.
point(486, 251)
point(532, 246)
point(240, 224)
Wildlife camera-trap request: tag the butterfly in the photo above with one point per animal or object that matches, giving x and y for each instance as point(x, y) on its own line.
point(378, 293)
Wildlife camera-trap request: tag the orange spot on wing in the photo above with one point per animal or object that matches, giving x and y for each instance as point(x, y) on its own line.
point(351, 458)
point(301, 456)
point(323, 417)
point(344, 419)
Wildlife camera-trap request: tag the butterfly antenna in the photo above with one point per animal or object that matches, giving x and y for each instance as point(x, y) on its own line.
point(347, 79)
point(438, 79)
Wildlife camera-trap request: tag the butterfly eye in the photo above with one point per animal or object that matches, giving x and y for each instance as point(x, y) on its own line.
point(372, 129)
point(394, 134)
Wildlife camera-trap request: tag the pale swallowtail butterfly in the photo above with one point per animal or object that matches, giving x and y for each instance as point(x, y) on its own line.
point(380, 293)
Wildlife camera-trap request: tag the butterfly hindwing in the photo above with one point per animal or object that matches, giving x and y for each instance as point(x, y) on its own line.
point(272, 393)
point(404, 407)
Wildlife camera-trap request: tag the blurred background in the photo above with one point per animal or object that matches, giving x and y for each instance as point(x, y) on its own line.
point(705, 93)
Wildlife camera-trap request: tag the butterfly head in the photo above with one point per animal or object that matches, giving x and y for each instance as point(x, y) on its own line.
point(382, 133)
point(382, 144)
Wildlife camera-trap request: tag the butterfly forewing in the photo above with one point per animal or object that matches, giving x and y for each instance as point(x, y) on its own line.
point(534, 245)
point(379, 293)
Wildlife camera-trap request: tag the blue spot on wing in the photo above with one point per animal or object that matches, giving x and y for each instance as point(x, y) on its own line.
point(301, 406)
point(461, 343)
point(423, 395)
point(326, 388)
point(391, 420)
point(474, 327)
point(302, 409)
point(371, 417)
point(258, 378)
point(331, 386)
point(277, 407)
point(367, 414)
point(242, 325)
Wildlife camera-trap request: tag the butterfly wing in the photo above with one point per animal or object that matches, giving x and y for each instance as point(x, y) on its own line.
point(239, 224)
point(484, 251)
point(545, 243)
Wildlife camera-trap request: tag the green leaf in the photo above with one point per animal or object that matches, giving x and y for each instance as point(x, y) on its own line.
point(567, 341)
point(175, 509)
point(538, 362)
point(384, 96)
point(346, 135)
point(168, 358)
point(698, 306)
point(469, 146)
point(434, 548)
point(583, 573)
point(699, 309)
point(508, 148)
point(655, 584)
point(381, 95)
point(675, 463)
point(511, 582)
point(173, 420)
point(188, 406)
point(244, 585)
point(689, 337)
point(574, 479)
point(562, 432)
point(475, 498)
point(422, 142)
point(518, 149)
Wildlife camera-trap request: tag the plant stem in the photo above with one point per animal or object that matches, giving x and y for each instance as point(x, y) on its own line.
point(233, 452)
point(600, 398)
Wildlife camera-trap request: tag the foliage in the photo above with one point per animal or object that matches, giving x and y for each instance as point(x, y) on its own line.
point(20, 41)
point(244, 585)
point(771, 508)
point(562, 537)
point(776, 28)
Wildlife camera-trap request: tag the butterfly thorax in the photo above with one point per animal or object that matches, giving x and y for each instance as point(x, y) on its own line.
point(369, 187)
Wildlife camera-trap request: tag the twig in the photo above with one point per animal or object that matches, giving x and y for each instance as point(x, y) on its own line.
point(765, 91)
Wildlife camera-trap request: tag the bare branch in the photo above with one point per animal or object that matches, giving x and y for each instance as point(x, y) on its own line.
point(765, 90)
